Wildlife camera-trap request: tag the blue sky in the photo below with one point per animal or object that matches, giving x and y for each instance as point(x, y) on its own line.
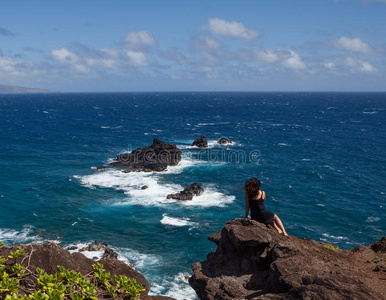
point(153, 45)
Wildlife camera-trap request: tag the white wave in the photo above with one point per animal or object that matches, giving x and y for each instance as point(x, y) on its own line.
point(369, 112)
point(176, 287)
point(19, 237)
point(283, 144)
point(372, 219)
point(156, 188)
point(334, 237)
point(210, 197)
point(206, 124)
point(105, 127)
point(179, 222)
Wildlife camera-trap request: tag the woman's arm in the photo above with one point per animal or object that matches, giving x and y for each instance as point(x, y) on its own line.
point(246, 206)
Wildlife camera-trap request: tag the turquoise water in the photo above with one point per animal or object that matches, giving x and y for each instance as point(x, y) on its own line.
point(320, 157)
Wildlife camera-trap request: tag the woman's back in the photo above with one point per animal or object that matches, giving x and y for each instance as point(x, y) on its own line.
point(258, 211)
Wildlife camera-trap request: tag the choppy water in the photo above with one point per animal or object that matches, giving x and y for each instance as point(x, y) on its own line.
point(320, 157)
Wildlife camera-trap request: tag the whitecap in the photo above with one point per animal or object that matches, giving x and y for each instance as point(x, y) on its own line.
point(178, 222)
point(283, 144)
point(19, 237)
point(372, 219)
point(211, 197)
point(334, 237)
point(369, 112)
point(176, 287)
point(156, 189)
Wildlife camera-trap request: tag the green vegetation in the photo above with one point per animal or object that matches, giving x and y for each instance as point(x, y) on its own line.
point(332, 247)
point(18, 282)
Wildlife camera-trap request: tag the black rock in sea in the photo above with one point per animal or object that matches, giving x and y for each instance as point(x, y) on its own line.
point(195, 189)
point(200, 142)
point(156, 157)
point(224, 141)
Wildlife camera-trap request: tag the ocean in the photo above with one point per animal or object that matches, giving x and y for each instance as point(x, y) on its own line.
point(321, 158)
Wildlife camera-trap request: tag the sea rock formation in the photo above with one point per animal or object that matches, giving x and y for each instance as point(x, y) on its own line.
point(255, 262)
point(224, 141)
point(48, 256)
point(100, 246)
point(195, 189)
point(156, 157)
point(200, 142)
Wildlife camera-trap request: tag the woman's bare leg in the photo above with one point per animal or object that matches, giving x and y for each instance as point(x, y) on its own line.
point(277, 228)
point(279, 224)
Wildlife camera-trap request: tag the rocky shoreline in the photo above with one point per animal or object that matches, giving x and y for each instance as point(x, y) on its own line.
point(255, 262)
point(48, 256)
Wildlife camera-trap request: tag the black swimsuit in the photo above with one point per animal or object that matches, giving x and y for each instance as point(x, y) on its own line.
point(259, 213)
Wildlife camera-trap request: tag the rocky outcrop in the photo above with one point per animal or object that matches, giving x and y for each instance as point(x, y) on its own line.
point(224, 141)
point(200, 142)
point(255, 262)
point(195, 189)
point(100, 246)
point(48, 256)
point(156, 157)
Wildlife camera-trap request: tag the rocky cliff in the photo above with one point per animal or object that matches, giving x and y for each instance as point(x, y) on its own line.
point(255, 262)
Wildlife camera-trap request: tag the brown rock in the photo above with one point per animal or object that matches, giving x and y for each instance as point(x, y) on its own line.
point(255, 262)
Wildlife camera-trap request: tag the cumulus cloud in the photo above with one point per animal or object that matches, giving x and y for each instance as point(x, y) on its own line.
point(350, 65)
point(136, 59)
point(5, 32)
point(64, 55)
point(359, 65)
point(231, 29)
point(352, 45)
point(292, 60)
point(138, 40)
point(205, 43)
point(14, 68)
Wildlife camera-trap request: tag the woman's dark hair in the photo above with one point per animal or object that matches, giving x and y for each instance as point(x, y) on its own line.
point(252, 187)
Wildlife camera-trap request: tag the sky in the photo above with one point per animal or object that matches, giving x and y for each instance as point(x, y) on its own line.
point(177, 45)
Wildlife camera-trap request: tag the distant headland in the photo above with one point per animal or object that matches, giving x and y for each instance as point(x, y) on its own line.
point(9, 89)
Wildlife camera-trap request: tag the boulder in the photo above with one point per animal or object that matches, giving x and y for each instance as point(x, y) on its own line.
point(255, 262)
point(224, 141)
point(195, 189)
point(156, 157)
point(200, 142)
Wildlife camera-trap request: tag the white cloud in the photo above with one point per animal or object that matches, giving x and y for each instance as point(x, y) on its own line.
point(352, 45)
point(292, 60)
point(359, 65)
point(330, 66)
point(138, 40)
point(110, 52)
point(64, 55)
point(205, 43)
point(14, 68)
point(266, 56)
point(231, 29)
point(137, 59)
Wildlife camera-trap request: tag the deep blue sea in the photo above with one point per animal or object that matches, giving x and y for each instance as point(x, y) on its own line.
point(321, 158)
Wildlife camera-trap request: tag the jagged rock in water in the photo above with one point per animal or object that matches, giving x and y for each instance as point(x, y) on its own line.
point(255, 262)
point(224, 141)
point(195, 189)
point(156, 157)
point(200, 142)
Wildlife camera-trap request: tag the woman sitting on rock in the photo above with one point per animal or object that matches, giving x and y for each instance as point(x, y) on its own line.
point(254, 200)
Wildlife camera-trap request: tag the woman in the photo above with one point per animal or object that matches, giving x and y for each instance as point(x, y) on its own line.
point(254, 200)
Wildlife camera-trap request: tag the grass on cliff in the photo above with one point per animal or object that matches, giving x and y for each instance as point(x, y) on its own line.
point(17, 281)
